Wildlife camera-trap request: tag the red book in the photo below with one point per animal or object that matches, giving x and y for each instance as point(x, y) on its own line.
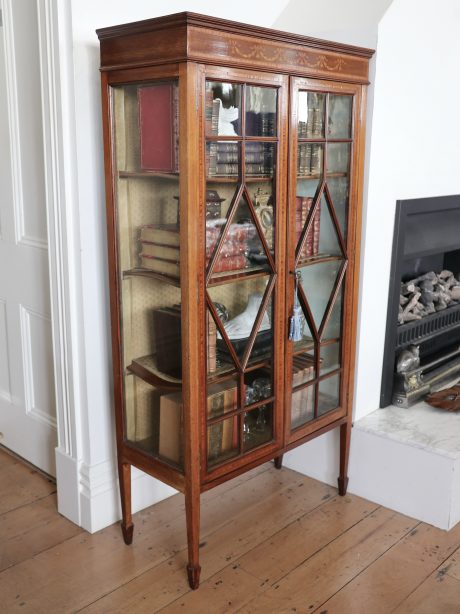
point(158, 127)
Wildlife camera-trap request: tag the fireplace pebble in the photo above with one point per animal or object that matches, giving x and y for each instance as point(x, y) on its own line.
point(427, 294)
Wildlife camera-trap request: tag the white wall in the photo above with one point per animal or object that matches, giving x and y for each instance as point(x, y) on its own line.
point(96, 473)
point(413, 151)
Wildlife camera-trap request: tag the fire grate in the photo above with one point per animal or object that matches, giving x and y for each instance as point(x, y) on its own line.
point(428, 327)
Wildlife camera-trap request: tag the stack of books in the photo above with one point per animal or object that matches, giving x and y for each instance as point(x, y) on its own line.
point(311, 245)
point(309, 159)
point(223, 159)
point(211, 345)
point(303, 369)
point(160, 248)
point(232, 256)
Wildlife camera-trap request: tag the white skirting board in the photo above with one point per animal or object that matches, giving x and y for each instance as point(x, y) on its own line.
point(406, 460)
point(90, 497)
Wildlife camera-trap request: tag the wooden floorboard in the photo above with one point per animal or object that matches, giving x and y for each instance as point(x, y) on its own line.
point(271, 541)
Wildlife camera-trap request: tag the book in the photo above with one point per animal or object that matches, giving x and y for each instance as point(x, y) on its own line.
point(165, 234)
point(311, 245)
point(158, 250)
point(158, 127)
point(167, 335)
point(166, 267)
point(171, 428)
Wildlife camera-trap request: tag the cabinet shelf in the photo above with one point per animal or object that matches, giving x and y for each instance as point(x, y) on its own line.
point(148, 174)
point(139, 272)
point(320, 176)
point(249, 273)
point(146, 368)
point(319, 258)
point(236, 179)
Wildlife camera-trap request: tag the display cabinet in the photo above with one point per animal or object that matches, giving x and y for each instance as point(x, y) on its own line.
point(233, 159)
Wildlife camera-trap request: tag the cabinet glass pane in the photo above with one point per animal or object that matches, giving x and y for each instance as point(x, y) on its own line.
point(330, 358)
point(328, 241)
point(302, 406)
point(235, 247)
point(223, 159)
point(318, 282)
point(260, 111)
point(311, 115)
point(338, 159)
point(223, 108)
point(242, 302)
point(146, 128)
point(222, 440)
point(260, 159)
point(339, 119)
point(333, 327)
point(222, 398)
point(306, 340)
point(328, 394)
point(310, 158)
point(339, 191)
point(258, 386)
point(153, 420)
point(257, 427)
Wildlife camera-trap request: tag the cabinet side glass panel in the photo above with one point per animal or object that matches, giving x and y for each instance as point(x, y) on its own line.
point(146, 133)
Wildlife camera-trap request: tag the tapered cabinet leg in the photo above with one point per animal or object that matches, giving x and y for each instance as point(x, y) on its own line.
point(278, 461)
point(345, 435)
point(127, 527)
point(192, 511)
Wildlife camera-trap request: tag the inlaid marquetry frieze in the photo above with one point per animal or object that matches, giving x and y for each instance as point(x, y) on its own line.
point(274, 55)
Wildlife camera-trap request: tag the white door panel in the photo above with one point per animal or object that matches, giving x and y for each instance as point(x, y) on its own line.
point(27, 402)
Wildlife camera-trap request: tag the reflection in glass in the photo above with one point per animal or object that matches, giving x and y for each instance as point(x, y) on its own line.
point(242, 247)
point(338, 158)
point(257, 427)
point(339, 120)
point(307, 338)
point(330, 358)
point(318, 281)
point(311, 115)
point(222, 398)
point(310, 158)
point(333, 329)
point(222, 109)
point(260, 159)
point(302, 406)
point(328, 240)
point(260, 111)
point(223, 159)
point(329, 394)
point(339, 191)
point(222, 440)
point(242, 300)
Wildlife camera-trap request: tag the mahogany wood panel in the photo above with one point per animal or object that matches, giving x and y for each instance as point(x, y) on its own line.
point(188, 36)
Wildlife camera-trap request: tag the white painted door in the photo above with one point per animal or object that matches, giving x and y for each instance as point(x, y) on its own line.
point(27, 400)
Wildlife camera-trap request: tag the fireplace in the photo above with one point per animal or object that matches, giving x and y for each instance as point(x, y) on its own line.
point(426, 241)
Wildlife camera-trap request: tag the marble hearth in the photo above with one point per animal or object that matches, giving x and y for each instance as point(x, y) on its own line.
point(409, 461)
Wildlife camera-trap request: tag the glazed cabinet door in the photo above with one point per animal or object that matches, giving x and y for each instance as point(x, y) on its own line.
point(322, 212)
point(146, 267)
point(244, 160)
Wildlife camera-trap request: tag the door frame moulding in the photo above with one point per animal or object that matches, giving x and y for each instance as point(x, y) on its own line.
point(58, 117)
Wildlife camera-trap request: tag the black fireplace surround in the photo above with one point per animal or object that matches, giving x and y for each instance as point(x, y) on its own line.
point(426, 238)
